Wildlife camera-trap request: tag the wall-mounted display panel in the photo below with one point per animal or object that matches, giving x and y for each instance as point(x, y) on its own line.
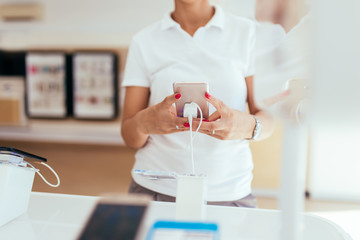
point(95, 85)
point(12, 110)
point(46, 93)
point(12, 63)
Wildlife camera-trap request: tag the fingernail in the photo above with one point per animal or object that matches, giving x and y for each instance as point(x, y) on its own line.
point(186, 125)
point(206, 120)
point(208, 96)
point(177, 96)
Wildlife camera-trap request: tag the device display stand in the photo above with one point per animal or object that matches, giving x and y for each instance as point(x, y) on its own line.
point(293, 181)
point(16, 181)
point(15, 188)
point(190, 197)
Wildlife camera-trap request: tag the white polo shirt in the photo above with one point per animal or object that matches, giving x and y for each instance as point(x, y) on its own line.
point(221, 54)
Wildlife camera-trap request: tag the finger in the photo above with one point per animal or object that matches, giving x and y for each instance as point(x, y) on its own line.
point(173, 110)
point(171, 99)
point(215, 135)
point(179, 121)
point(179, 130)
point(178, 125)
point(196, 123)
point(206, 132)
point(211, 123)
point(215, 116)
point(208, 126)
point(218, 104)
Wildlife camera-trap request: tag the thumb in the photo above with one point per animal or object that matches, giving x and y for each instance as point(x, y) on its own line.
point(218, 104)
point(169, 100)
point(215, 116)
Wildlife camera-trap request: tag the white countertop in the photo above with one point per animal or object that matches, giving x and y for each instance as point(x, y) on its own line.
point(60, 216)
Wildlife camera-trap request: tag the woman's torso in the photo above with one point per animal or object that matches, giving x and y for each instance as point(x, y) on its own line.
point(219, 54)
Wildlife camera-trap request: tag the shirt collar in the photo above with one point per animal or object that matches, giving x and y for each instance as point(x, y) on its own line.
point(218, 20)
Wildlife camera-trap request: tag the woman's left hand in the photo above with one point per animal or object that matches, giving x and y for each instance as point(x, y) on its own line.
point(226, 123)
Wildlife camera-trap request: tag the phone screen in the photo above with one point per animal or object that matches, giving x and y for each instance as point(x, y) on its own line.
point(113, 221)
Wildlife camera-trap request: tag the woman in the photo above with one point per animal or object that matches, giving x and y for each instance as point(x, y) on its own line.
point(197, 42)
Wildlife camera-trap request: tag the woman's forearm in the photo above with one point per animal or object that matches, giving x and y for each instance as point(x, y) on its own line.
point(133, 132)
point(266, 119)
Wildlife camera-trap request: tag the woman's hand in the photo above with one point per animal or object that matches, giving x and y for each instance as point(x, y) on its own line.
point(161, 118)
point(139, 120)
point(226, 123)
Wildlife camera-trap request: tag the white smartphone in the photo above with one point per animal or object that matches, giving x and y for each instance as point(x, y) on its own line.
point(192, 92)
point(116, 217)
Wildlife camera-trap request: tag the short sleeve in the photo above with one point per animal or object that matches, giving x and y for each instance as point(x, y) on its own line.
point(251, 54)
point(135, 68)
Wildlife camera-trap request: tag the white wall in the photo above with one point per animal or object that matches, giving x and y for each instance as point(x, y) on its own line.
point(94, 22)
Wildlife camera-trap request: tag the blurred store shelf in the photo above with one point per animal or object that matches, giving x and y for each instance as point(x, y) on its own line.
point(65, 131)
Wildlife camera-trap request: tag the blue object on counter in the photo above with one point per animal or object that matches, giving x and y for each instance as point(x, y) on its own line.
point(183, 230)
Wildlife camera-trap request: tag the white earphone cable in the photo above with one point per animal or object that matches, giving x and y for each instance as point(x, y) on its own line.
point(193, 135)
point(52, 170)
point(191, 147)
point(201, 120)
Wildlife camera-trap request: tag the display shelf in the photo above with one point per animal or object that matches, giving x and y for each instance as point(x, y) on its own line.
point(65, 131)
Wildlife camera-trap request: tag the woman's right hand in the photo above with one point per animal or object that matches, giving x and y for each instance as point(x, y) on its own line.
point(161, 118)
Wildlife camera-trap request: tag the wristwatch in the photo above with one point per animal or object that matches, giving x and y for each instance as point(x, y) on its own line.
point(257, 129)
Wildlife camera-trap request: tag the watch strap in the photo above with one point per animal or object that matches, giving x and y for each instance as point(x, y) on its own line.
point(257, 129)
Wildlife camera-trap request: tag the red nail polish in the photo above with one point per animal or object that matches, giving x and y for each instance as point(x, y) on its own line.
point(177, 96)
point(186, 125)
point(208, 96)
point(206, 120)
